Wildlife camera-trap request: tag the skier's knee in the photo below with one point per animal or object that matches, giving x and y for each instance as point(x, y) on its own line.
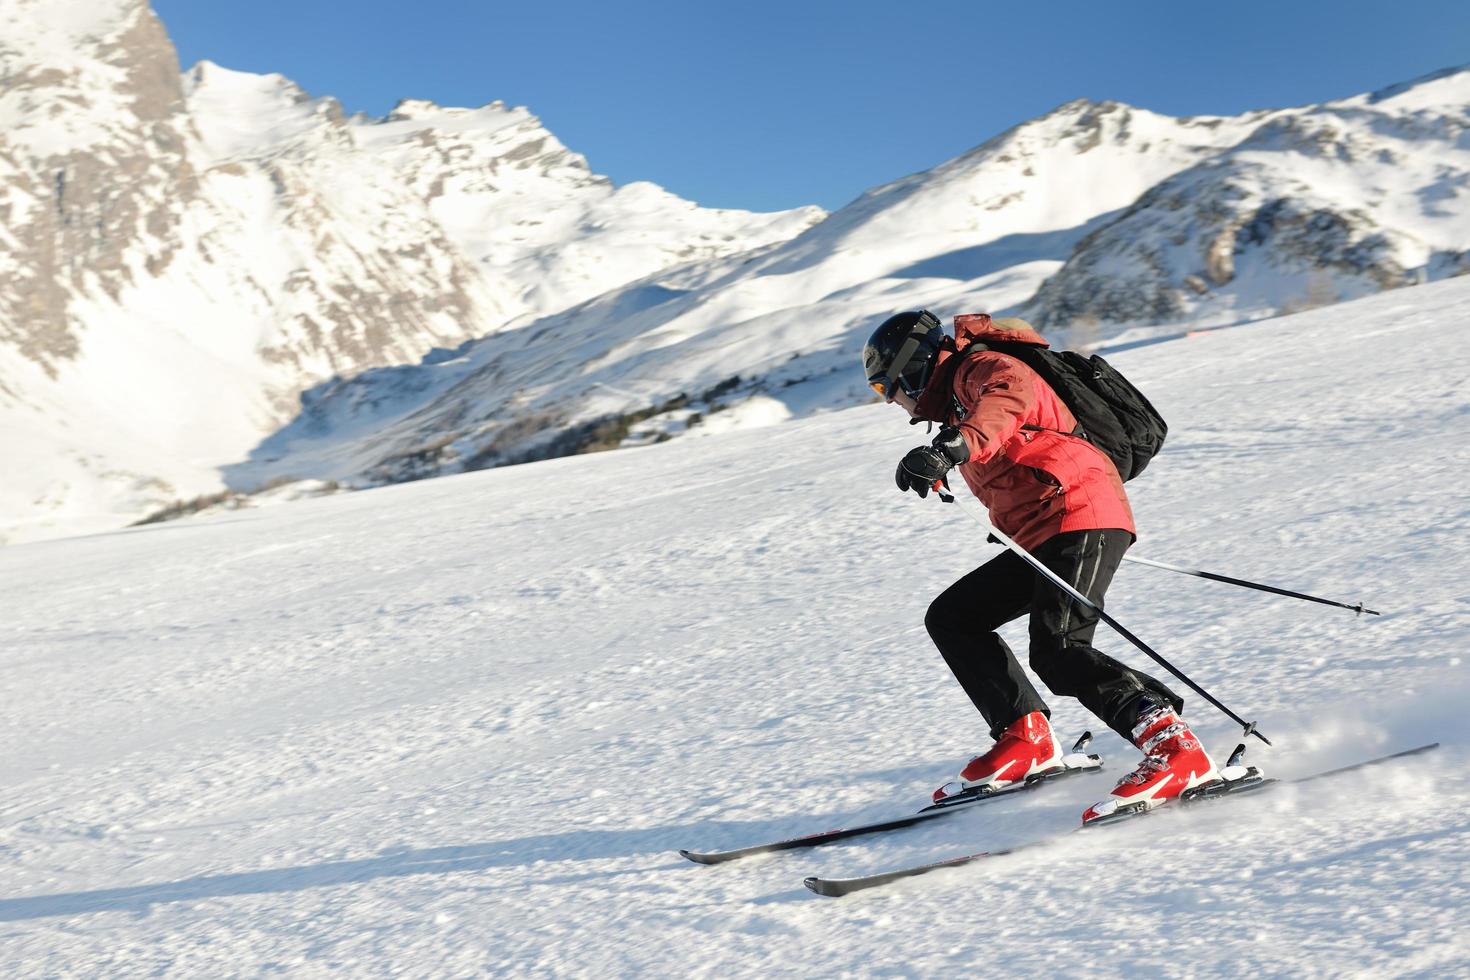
point(1047, 660)
point(939, 617)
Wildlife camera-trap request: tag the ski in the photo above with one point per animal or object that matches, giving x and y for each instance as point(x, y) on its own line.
point(1244, 779)
point(1074, 762)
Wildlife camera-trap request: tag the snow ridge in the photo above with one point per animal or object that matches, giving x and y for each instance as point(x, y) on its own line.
point(1097, 220)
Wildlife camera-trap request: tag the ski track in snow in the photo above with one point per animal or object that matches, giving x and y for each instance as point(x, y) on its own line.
point(460, 726)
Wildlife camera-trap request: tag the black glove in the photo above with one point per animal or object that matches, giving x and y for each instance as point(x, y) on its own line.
point(923, 466)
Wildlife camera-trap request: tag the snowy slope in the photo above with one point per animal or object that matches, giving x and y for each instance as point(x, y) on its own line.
point(1097, 220)
point(459, 726)
point(182, 255)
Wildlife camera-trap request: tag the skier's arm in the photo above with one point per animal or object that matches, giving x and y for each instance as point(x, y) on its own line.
point(996, 394)
point(996, 397)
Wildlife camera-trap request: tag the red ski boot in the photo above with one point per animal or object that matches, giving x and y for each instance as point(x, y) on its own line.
point(1025, 748)
point(1174, 761)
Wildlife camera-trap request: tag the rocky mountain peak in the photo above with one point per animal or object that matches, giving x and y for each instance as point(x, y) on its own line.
point(242, 114)
point(1300, 207)
point(207, 76)
point(181, 255)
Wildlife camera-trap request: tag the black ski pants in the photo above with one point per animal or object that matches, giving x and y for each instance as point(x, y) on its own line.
point(963, 621)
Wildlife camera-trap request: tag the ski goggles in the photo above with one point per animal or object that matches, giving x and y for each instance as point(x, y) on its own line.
point(906, 372)
point(884, 387)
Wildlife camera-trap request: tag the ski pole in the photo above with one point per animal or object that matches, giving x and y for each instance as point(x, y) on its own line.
point(1249, 726)
point(1213, 577)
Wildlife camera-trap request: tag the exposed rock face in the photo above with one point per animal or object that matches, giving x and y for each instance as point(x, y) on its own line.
point(1313, 205)
point(92, 176)
point(181, 256)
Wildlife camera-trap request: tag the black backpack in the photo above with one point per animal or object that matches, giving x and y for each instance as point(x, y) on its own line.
point(1111, 413)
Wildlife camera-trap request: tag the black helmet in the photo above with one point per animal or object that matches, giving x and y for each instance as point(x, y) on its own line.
point(902, 353)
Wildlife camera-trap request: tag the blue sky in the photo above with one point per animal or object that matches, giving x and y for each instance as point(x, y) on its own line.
point(768, 105)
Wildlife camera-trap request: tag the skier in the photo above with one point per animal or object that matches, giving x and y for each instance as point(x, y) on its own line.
point(1060, 498)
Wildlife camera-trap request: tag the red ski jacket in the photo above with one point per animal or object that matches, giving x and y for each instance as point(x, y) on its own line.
point(1036, 484)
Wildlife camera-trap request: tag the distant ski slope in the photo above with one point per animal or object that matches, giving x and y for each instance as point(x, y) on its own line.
point(460, 726)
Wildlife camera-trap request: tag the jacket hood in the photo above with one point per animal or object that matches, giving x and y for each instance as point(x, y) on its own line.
point(972, 327)
point(969, 328)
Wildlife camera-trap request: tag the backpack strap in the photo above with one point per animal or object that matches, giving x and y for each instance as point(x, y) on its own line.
point(959, 411)
point(978, 347)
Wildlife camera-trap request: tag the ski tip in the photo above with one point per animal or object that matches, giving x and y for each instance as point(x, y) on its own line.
point(821, 886)
point(697, 857)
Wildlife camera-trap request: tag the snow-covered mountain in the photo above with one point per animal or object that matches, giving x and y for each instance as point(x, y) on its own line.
point(458, 727)
point(181, 255)
point(1313, 206)
point(1095, 219)
point(214, 278)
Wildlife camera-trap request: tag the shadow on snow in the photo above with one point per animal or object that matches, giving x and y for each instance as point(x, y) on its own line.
point(574, 845)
